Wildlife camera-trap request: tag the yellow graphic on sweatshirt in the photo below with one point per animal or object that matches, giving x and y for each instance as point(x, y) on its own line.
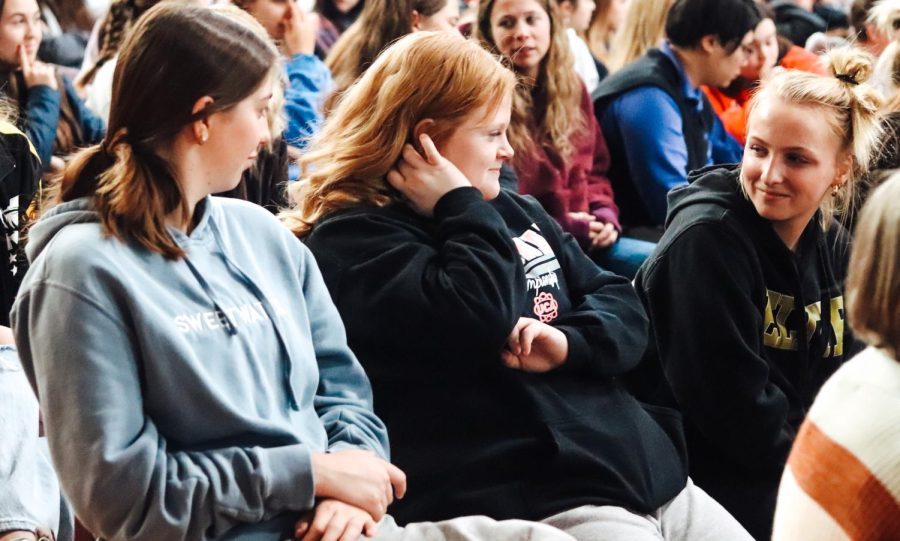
point(779, 308)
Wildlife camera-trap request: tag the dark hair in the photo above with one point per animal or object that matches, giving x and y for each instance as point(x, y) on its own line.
point(728, 20)
point(176, 55)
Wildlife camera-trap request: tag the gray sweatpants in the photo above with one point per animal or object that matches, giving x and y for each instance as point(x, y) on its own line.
point(471, 528)
point(691, 516)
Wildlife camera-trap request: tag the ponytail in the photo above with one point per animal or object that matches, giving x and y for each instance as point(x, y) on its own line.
point(133, 191)
point(176, 54)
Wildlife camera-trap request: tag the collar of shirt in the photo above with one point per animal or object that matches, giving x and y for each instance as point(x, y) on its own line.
point(692, 93)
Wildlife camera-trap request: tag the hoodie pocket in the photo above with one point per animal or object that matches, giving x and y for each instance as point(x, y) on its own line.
point(670, 421)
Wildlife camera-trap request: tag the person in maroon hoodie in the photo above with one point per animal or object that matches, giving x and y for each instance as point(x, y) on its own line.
point(561, 156)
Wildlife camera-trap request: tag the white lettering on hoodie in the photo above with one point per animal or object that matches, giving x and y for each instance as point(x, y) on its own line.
point(214, 319)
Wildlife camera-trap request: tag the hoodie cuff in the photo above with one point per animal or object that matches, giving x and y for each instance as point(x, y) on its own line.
point(456, 201)
point(289, 471)
point(579, 351)
point(578, 229)
point(607, 216)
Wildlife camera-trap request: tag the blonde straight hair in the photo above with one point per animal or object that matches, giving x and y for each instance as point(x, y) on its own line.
point(643, 29)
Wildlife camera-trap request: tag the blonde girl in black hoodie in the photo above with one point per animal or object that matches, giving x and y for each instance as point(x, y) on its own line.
point(745, 290)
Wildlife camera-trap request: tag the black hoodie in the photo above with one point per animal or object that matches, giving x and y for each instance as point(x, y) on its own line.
point(729, 345)
point(429, 303)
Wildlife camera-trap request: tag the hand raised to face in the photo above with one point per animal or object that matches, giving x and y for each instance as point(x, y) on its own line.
point(424, 178)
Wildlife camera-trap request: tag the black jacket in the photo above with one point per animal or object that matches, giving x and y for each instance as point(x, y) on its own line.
point(657, 70)
point(20, 171)
point(732, 344)
point(428, 305)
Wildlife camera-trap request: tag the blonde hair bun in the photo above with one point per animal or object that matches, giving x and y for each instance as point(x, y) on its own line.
point(849, 65)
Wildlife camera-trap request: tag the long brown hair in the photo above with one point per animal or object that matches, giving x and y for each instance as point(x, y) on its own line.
point(176, 55)
point(557, 86)
point(380, 23)
point(436, 75)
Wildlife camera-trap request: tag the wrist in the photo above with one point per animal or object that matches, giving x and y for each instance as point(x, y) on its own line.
point(307, 48)
point(562, 345)
point(321, 477)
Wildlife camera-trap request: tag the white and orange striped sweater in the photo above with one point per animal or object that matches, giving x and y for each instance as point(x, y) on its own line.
point(842, 481)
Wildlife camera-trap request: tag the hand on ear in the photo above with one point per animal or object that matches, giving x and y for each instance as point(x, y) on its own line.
point(422, 127)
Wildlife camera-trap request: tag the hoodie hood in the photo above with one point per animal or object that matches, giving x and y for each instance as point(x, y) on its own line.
point(714, 185)
point(78, 211)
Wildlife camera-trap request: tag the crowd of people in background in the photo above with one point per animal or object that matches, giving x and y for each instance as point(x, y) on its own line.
point(450, 269)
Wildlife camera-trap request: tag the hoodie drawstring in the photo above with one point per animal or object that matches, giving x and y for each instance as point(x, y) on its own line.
point(229, 325)
point(286, 364)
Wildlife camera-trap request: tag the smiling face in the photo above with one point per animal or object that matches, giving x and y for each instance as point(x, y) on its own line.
point(20, 24)
point(521, 31)
point(478, 147)
point(792, 160)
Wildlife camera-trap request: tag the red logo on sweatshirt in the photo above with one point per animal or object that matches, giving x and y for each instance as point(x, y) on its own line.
point(545, 307)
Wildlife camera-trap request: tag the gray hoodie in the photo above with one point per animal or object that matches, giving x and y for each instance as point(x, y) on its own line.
point(182, 399)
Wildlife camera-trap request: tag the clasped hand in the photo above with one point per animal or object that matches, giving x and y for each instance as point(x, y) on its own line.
point(354, 488)
point(601, 234)
point(534, 346)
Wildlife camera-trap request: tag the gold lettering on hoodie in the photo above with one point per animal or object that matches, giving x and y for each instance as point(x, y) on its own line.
point(779, 308)
point(776, 334)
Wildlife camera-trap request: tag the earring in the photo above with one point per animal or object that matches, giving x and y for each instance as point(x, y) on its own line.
point(835, 189)
point(204, 137)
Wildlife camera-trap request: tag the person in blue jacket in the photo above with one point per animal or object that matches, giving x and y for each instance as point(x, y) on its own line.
point(51, 114)
point(658, 124)
point(309, 80)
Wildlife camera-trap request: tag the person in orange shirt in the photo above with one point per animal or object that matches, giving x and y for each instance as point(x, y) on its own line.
point(769, 52)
